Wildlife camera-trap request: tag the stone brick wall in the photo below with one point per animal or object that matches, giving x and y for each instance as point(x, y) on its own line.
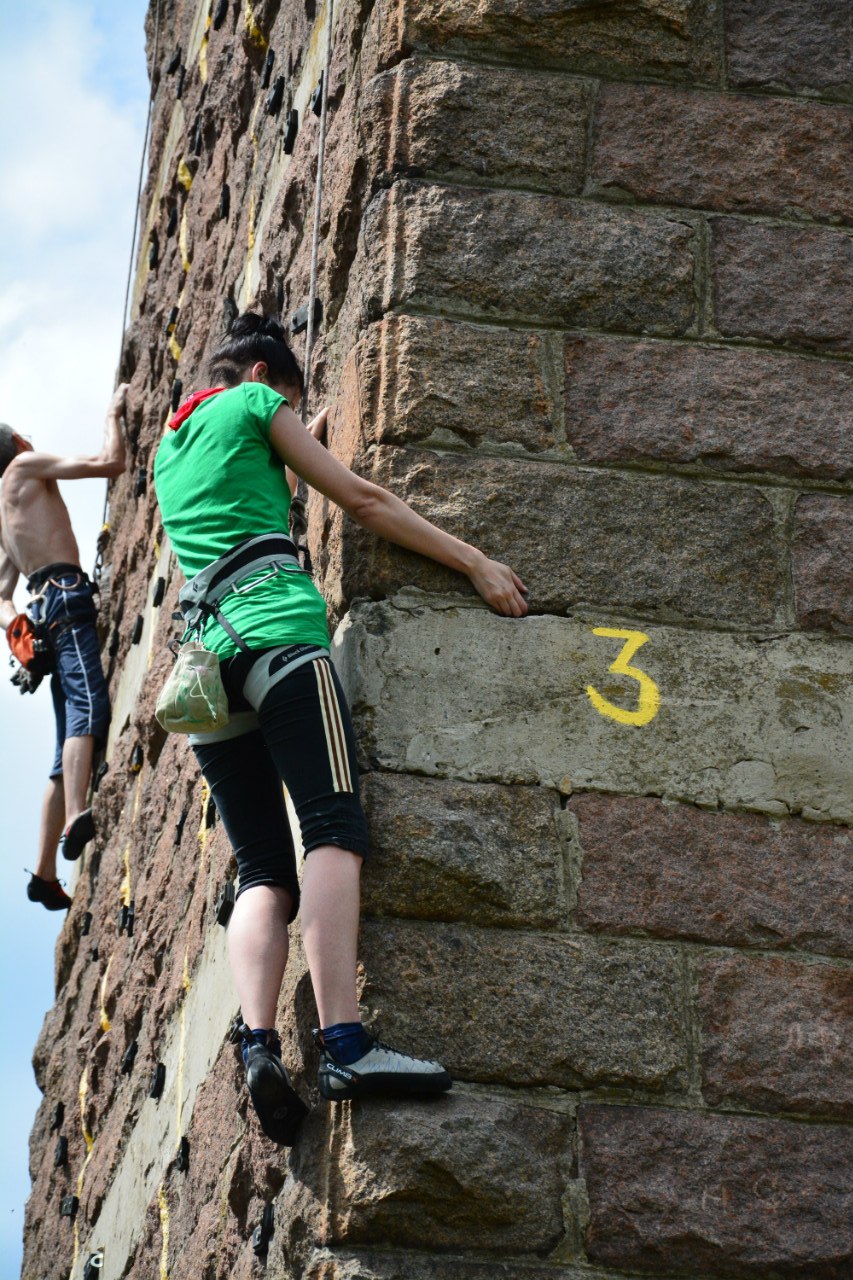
point(587, 274)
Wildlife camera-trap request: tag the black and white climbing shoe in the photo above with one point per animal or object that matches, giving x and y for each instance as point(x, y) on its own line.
point(280, 1108)
point(380, 1070)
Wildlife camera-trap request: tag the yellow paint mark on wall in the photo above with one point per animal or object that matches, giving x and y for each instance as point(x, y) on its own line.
point(82, 1092)
point(185, 177)
point(175, 348)
point(253, 31)
point(137, 800)
point(183, 236)
point(124, 891)
point(251, 237)
point(202, 53)
point(203, 832)
point(105, 1022)
point(649, 694)
point(163, 1205)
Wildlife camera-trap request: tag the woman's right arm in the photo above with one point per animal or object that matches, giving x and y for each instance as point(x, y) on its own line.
point(387, 515)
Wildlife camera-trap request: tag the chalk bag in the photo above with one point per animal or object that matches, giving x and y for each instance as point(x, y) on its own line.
point(193, 699)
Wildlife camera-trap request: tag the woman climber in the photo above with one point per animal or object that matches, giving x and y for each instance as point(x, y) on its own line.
point(224, 475)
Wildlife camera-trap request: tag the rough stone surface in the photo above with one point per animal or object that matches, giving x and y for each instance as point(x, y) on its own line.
point(582, 1012)
point(506, 128)
point(510, 254)
point(823, 562)
point(654, 544)
point(777, 1035)
point(329, 1265)
point(456, 851)
point(780, 285)
point(798, 45)
point(735, 154)
point(674, 40)
point(460, 1172)
point(412, 377)
point(756, 723)
point(722, 408)
point(717, 1195)
point(738, 880)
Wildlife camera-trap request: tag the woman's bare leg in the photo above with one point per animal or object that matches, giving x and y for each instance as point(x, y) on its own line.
point(329, 913)
point(258, 949)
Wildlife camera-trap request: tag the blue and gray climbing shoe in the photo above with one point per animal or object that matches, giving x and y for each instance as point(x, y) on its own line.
point(280, 1108)
point(380, 1070)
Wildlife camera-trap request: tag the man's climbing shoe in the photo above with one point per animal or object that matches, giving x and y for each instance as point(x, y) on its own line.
point(380, 1070)
point(49, 893)
point(77, 835)
point(280, 1108)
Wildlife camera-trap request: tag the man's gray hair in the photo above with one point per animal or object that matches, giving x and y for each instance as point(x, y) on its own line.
point(8, 446)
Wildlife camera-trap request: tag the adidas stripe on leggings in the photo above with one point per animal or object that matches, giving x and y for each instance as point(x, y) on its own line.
point(298, 733)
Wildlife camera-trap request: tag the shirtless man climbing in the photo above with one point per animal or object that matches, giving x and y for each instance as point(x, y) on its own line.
point(36, 540)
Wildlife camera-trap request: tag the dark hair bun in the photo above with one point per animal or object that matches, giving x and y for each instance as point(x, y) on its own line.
point(251, 324)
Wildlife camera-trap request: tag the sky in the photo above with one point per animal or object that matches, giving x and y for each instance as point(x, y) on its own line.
point(73, 100)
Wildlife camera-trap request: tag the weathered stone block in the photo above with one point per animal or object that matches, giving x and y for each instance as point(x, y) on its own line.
point(512, 254)
point(459, 1172)
point(574, 1011)
point(453, 851)
point(676, 40)
point(658, 544)
point(783, 285)
point(718, 1195)
point(757, 723)
point(678, 872)
point(822, 555)
point(732, 409)
point(411, 377)
point(801, 45)
point(328, 1265)
point(739, 154)
point(777, 1035)
point(508, 128)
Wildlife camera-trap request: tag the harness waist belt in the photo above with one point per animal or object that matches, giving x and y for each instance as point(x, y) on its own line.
point(200, 597)
point(61, 569)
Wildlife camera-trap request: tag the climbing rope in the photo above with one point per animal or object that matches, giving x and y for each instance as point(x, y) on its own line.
point(298, 512)
point(102, 537)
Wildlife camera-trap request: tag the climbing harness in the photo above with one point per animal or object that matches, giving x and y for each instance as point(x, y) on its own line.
point(298, 513)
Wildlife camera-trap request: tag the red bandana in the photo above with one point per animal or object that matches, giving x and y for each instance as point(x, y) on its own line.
point(190, 406)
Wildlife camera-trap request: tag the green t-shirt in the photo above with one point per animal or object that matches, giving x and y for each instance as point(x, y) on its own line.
point(218, 482)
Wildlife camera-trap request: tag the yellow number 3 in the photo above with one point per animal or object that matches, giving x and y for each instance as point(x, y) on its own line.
point(649, 701)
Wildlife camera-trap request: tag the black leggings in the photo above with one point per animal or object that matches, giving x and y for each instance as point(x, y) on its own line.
point(305, 740)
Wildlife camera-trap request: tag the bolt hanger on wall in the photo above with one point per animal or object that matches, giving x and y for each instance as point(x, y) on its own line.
point(94, 1263)
point(299, 319)
point(68, 1207)
point(316, 103)
point(264, 1232)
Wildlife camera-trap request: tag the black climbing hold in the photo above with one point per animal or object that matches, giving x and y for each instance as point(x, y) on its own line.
point(220, 15)
point(290, 131)
point(68, 1207)
point(263, 1233)
point(182, 1160)
point(234, 1035)
point(231, 312)
point(177, 392)
point(316, 103)
point(299, 319)
point(158, 1081)
point(279, 297)
point(136, 633)
point(225, 200)
point(179, 86)
point(86, 926)
point(57, 1115)
point(141, 483)
point(196, 138)
point(179, 825)
point(115, 641)
point(94, 1263)
point(172, 322)
point(174, 62)
point(60, 1153)
point(172, 224)
point(153, 251)
point(126, 918)
point(225, 903)
point(266, 74)
point(129, 1058)
point(100, 774)
point(275, 97)
point(95, 953)
point(210, 812)
point(159, 592)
